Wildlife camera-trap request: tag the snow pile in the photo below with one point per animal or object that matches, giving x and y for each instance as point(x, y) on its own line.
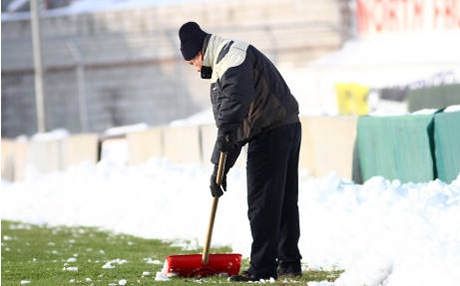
point(382, 232)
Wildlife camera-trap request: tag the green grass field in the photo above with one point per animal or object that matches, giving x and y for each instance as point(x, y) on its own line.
point(40, 255)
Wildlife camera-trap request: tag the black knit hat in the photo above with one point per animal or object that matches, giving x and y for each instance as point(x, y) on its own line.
point(191, 40)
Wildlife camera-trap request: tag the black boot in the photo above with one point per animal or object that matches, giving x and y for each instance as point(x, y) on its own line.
point(249, 276)
point(290, 270)
point(244, 277)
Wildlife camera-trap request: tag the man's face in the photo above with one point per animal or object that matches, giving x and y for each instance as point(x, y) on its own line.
point(197, 61)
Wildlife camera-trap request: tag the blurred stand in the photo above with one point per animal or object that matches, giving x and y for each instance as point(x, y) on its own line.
point(108, 68)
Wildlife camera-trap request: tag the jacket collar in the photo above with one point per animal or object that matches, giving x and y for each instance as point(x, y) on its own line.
point(215, 44)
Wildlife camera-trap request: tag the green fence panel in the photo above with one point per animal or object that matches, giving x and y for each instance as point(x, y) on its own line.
point(447, 145)
point(397, 147)
point(433, 97)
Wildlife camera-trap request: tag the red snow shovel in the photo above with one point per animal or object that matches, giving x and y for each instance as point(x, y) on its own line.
point(206, 264)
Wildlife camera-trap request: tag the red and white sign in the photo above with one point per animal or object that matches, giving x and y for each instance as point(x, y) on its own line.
point(383, 16)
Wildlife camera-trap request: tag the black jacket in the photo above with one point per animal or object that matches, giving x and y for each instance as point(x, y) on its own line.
point(248, 94)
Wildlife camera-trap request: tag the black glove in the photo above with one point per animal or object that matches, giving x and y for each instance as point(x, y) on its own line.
point(226, 142)
point(216, 190)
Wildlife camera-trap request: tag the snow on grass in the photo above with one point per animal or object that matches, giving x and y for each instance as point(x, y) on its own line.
point(160, 276)
point(152, 261)
point(72, 259)
point(109, 265)
point(381, 233)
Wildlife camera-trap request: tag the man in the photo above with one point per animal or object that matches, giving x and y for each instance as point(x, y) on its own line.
point(252, 104)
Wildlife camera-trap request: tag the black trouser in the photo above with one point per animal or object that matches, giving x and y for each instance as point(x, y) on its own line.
point(272, 178)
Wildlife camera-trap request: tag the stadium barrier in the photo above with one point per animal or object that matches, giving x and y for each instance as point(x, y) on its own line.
point(45, 156)
point(8, 147)
point(328, 144)
point(396, 147)
point(145, 144)
point(21, 152)
point(412, 148)
point(51, 155)
point(447, 145)
point(79, 148)
point(182, 144)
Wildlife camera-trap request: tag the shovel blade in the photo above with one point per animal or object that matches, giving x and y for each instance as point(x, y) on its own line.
point(190, 265)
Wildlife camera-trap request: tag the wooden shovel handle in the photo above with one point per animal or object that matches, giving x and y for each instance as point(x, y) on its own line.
point(221, 167)
point(215, 201)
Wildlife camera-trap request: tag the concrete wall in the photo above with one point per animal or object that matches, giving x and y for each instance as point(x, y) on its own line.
point(14, 159)
point(21, 154)
point(144, 145)
point(45, 156)
point(53, 155)
point(8, 159)
point(328, 144)
point(79, 148)
point(182, 144)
